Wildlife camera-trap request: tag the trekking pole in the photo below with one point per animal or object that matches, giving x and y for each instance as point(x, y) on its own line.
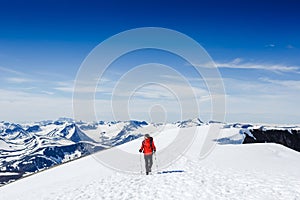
point(156, 161)
point(141, 163)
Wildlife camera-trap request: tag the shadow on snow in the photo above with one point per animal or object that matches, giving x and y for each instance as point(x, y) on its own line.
point(171, 171)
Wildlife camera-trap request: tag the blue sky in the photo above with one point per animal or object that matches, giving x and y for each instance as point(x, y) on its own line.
point(255, 44)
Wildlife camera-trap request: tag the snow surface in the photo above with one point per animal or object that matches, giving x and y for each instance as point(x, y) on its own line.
point(232, 171)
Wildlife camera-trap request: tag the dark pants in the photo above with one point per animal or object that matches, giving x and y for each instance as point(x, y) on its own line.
point(148, 162)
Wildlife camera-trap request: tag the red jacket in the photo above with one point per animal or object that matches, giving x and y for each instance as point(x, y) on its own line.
point(146, 147)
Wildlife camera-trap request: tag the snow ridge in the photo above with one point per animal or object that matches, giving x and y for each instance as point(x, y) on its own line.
point(232, 171)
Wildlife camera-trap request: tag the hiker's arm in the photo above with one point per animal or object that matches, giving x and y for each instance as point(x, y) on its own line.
point(153, 146)
point(142, 147)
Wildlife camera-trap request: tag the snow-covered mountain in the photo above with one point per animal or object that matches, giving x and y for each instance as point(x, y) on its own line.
point(119, 132)
point(32, 147)
point(29, 148)
point(189, 123)
point(26, 149)
point(232, 171)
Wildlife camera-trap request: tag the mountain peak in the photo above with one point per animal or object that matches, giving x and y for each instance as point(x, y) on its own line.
point(189, 123)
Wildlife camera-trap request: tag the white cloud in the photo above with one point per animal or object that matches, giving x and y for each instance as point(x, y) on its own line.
point(262, 86)
point(287, 84)
point(263, 108)
point(65, 89)
point(18, 106)
point(237, 61)
point(64, 86)
point(265, 101)
point(47, 92)
point(18, 80)
point(90, 86)
point(270, 45)
point(238, 64)
point(8, 70)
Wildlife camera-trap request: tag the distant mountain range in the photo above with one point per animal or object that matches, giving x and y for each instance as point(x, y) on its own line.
point(29, 148)
point(26, 149)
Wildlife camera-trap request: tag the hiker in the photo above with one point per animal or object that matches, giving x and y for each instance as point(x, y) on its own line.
point(148, 148)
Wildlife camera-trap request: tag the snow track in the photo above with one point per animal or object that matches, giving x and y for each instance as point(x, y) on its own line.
point(196, 182)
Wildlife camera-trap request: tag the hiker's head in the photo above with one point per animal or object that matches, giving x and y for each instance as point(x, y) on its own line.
point(147, 135)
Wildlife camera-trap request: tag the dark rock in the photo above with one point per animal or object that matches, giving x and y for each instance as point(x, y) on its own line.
point(88, 127)
point(35, 128)
point(4, 179)
point(288, 138)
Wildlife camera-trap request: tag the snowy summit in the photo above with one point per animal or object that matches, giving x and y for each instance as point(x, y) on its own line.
point(227, 171)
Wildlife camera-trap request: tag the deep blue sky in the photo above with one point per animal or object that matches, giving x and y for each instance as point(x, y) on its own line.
point(49, 39)
point(237, 27)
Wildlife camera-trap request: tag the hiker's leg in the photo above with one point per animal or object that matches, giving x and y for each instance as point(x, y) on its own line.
point(150, 161)
point(146, 163)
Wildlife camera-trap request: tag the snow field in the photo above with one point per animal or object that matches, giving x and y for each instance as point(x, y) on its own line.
point(252, 171)
point(197, 182)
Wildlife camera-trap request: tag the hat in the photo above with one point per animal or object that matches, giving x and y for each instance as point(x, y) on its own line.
point(147, 135)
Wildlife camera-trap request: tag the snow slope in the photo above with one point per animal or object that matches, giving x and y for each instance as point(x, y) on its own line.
point(232, 171)
point(32, 147)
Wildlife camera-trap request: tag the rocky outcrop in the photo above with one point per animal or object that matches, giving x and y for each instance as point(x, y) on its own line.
point(287, 137)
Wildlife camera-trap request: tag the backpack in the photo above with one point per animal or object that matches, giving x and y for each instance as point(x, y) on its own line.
point(151, 142)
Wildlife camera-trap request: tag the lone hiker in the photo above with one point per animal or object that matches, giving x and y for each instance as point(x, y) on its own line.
point(148, 148)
